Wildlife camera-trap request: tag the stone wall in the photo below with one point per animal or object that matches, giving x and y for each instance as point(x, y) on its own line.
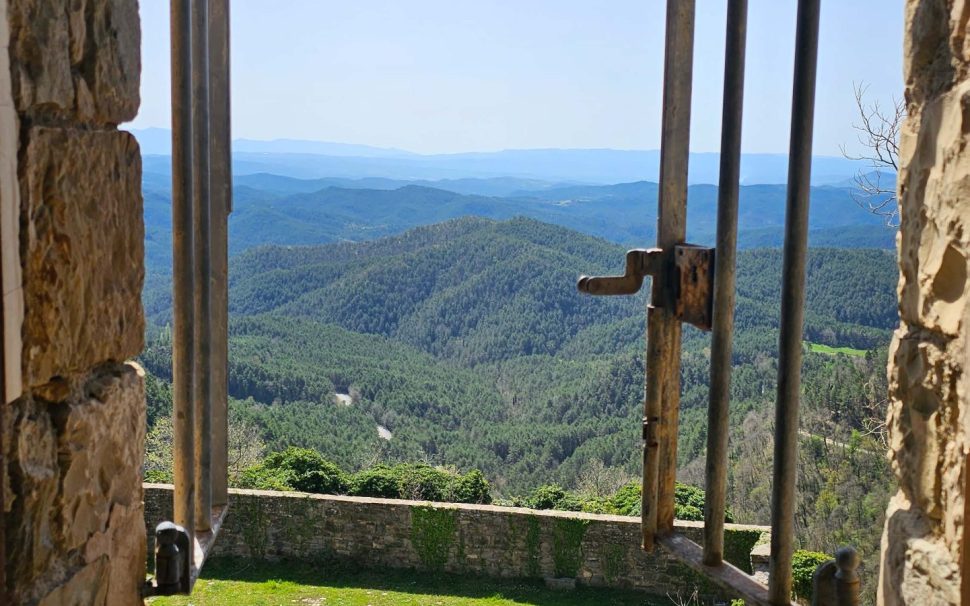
point(924, 552)
point(597, 550)
point(73, 436)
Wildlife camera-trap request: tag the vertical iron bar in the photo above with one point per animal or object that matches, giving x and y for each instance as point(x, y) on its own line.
point(792, 303)
point(724, 268)
point(203, 264)
point(662, 399)
point(183, 283)
point(221, 199)
point(651, 418)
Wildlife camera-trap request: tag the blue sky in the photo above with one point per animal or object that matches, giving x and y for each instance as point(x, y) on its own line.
point(436, 76)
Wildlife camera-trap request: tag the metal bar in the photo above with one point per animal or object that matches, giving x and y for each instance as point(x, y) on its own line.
point(220, 163)
point(203, 264)
point(651, 418)
point(663, 363)
point(792, 303)
point(724, 293)
point(183, 283)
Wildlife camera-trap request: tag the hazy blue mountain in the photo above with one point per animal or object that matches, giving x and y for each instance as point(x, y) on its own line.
point(315, 160)
point(158, 141)
point(624, 213)
point(760, 206)
point(498, 186)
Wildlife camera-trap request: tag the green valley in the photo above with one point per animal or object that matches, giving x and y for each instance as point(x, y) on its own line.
point(465, 345)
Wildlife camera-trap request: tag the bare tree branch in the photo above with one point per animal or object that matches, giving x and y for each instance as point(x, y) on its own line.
point(878, 133)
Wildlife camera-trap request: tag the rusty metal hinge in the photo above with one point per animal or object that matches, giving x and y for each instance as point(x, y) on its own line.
point(692, 280)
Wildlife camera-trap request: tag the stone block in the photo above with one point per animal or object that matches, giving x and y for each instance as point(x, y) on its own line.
point(76, 488)
point(83, 251)
point(76, 59)
point(101, 437)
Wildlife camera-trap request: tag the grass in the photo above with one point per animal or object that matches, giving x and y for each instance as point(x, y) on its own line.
point(826, 349)
point(234, 582)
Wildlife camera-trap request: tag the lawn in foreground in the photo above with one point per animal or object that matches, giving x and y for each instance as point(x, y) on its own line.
point(234, 582)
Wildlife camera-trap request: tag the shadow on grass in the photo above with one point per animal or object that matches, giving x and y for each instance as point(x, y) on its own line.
point(326, 573)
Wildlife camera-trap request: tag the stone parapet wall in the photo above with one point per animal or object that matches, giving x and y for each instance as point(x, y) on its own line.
point(597, 550)
point(73, 436)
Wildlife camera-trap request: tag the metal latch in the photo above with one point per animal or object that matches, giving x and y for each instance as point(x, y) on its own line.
point(692, 280)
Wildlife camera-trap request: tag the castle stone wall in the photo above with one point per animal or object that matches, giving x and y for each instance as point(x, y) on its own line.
point(597, 550)
point(924, 550)
point(73, 434)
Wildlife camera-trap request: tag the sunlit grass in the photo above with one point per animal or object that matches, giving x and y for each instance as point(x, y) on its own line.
point(826, 349)
point(231, 582)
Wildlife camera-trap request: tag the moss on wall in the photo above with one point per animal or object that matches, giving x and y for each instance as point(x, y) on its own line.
point(567, 545)
point(432, 534)
point(614, 561)
point(299, 525)
point(532, 547)
point(738, 545)
point(254, 523)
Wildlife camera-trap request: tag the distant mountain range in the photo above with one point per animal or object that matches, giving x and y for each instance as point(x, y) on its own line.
point(316, 159)
point(273, 209)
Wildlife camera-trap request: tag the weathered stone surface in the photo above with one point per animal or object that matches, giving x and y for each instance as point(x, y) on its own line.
point(929, 411)
point(76, 490)
point(76, 59)
point(82, 251)
point(32, 496)
point(87, 587)
point(484, 540)
point(74, 439)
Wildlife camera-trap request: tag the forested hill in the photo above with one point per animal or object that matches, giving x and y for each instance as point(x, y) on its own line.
point(466, 344)
point(474, 290)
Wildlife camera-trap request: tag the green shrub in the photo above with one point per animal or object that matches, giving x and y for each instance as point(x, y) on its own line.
point(688, 512)
point(597, 505)
point(379, 482)
point(422, 482)
point(686, 495)
point(803, 568)
point(626, 501)
point(688, 502)
point(260, 477)
point(158, 476)
point(306, 470)
point(553, 496)
point(471, 488)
